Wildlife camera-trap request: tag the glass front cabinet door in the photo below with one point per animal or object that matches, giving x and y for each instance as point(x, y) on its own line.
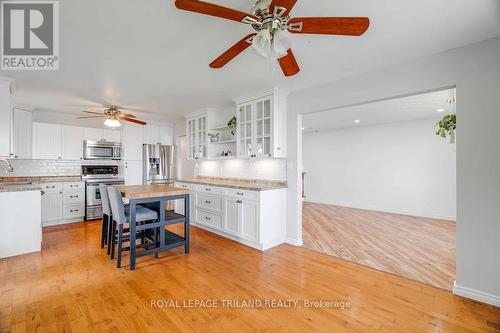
point(197, 137)
point(261, 127)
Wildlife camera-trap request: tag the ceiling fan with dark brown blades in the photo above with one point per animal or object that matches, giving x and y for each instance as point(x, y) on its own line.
point(113, 116)
point(269, 19)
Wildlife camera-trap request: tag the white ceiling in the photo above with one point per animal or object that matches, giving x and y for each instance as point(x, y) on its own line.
point(149, 55)
point(423, 106)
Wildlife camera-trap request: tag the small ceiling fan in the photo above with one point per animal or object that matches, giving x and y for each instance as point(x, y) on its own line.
point(113, 116)
point(270, 18)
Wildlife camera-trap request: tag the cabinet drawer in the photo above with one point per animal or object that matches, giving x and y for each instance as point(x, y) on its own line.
point(209, 202)
point(77, 186)
point(74, 197)
point(209, 219)
point(73, 211)
point(210, 189)
point(52, 187)
point(242, 194)
point(184, 185)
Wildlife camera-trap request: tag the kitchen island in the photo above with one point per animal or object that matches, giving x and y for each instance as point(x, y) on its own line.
point(21, 222)
point(155, 197)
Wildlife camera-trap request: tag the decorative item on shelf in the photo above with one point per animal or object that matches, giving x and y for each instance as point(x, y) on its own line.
point(232, 125)
point(214, 137)
point(447, 126)
point(226, 153)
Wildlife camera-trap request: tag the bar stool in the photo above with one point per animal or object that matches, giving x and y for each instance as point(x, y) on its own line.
point(121, 216)
point(106, 217)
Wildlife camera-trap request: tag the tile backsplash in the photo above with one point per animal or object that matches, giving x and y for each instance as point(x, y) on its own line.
point(269, 169)
point(32, 168)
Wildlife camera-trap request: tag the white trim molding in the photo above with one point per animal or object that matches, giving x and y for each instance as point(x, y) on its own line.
point(294, 242)
point(476, 295)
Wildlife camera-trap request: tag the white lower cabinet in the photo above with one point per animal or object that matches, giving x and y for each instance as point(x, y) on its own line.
point(249, 215)
point(254, 218)
point(52, 208)
point(232, 216)
point(63, 203)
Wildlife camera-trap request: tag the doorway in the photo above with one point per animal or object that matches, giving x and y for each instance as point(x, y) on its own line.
point(380, 186)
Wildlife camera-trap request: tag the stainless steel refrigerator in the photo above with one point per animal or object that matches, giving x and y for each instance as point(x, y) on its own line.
point(158, 165)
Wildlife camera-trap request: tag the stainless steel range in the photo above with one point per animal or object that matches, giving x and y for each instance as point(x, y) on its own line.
point(95, 175)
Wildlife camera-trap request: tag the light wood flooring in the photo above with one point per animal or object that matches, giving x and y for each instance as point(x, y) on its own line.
point(72, 286)
point(418, 248)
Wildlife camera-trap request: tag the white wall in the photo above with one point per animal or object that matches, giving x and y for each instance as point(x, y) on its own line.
point(268, 169)
point(475, 70)
point(401, 167)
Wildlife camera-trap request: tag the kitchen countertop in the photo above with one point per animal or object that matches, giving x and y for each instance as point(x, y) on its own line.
point(150, 191)
point(17, 184)
point(247, 184)
point(40, 179)
point(19, 188)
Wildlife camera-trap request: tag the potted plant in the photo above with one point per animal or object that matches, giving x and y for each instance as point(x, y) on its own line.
point(447, 126)
point(232, 125)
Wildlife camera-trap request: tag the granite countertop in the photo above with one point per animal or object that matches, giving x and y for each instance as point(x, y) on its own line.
point(41, 179)
point(247, 184)
point(16, 184)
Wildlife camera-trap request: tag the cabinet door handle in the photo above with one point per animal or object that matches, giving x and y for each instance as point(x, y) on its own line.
point(208, 201)
point(239, 201)
point(208, 189)
point(239, 193)
point(207, 218)
point(73, 210)
point(73, 196)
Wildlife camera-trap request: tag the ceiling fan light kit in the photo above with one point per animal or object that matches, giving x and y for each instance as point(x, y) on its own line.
point(113, 123)
point(270, 19)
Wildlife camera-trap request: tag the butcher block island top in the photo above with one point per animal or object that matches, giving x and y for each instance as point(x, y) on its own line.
point(150, 191)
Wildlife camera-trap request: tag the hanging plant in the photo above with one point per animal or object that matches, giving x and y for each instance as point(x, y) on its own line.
point(446, 127)
point(232, 125)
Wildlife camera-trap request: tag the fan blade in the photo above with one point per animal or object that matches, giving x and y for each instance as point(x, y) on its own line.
point(211, 9)
point(90, 117)
point(128, 115)
point(350, 26)
point(286, 4)
point(92, 112)
point(232, 52)
point(134, 121)
point(289, 64)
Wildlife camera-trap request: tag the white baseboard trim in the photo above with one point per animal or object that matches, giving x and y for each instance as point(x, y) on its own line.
point(294, 241)
point(476, 295)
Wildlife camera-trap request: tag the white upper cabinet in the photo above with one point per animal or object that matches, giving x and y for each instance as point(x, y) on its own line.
point(22, 135)
point(92, 134)
point(5, 117)
point(133, 139)
point(157, 134)
point(72, 142)
point(261, 126)
point(46, 141)
point(112, 135)
point(99, 134)
point(197, 136)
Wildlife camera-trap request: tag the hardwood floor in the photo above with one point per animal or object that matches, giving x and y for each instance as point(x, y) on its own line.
point(418, 248)
point(72, 286)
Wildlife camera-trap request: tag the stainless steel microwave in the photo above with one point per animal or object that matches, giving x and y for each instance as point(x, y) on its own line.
point(102, 150)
